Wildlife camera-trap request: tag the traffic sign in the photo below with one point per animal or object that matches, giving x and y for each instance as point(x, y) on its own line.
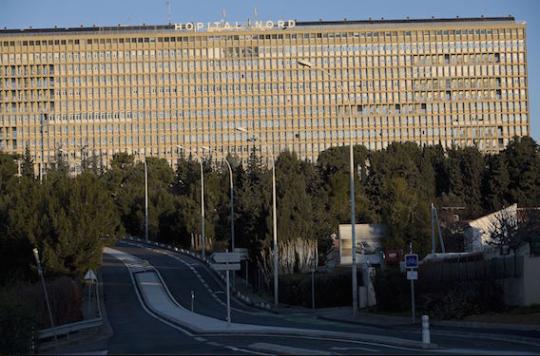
point(225, 257)
point(411, 260)
point(90, 276)
point(412, 275)
point(243, 253)
point(225, 266)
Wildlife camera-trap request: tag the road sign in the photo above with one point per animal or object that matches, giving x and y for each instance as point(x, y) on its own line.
point(411, 260)
point(243, 253)
point(225, 266)
point(90, 276)
point(225, 257)
point(412, 275)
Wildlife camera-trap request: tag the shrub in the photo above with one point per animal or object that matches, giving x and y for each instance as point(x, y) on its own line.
point(392, 291)
point(460, 299)
point(331, 289)
point(441, 300)
point(18, 324)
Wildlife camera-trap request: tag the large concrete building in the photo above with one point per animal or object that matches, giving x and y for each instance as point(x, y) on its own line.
point(302, 86)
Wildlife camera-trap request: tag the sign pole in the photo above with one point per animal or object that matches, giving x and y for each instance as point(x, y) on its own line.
point(228, 302)
point(412, 301)
point(413, 311)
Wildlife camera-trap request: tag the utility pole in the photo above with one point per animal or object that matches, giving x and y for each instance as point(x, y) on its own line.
point(145, 201)
point(40, 272)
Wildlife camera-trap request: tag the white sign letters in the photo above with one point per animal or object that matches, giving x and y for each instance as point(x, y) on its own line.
point(234, 26)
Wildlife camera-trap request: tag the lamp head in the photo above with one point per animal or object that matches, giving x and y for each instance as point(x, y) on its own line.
point(304, 63)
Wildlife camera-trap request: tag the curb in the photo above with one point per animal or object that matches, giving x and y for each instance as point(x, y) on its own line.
point(487, 325)
point(385, 340)
point(242, 297)
point(353, 322)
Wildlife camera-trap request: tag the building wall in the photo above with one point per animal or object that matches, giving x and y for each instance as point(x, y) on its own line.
point(146, 90)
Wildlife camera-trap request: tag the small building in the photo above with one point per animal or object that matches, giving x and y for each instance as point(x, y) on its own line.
point(477, 233)
point(368, 239)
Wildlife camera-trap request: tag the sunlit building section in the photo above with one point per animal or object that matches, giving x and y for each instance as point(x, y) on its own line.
point(301, 86)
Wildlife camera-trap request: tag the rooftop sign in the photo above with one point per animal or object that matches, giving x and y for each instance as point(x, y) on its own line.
point(234, 26)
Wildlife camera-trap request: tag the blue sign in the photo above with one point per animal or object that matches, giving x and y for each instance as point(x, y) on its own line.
point(411, 261)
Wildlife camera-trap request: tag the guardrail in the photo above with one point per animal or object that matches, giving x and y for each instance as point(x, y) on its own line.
point(246, 299)
point(76, 327)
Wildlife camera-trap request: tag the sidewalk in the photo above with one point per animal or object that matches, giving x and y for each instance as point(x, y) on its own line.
point(344, 314)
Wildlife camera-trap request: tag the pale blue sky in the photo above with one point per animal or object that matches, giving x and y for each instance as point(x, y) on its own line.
point(63, 13)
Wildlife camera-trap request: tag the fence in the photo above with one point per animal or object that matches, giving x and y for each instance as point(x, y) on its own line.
point(72, 328)
point(496, 268)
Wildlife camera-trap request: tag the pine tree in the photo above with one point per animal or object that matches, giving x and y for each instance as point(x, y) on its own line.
point(27, 167)
point(496, 182)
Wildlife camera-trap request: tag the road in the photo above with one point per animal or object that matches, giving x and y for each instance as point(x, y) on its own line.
point(136, 330)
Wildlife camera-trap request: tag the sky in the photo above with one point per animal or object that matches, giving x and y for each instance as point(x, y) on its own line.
point(72, 13)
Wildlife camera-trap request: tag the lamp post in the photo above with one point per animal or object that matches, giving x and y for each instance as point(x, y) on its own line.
point(40, 272)
point(274, 220)
point(309, 65)
point(145, 200)
point(202, 199)
point(231, 188)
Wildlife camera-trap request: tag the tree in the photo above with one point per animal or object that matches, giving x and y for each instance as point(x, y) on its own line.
point(504, 232)
point(523, 159)
point(27, 167)
point(406, 217)
point(496, 183)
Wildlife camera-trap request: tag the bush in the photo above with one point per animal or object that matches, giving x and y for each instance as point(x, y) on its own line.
point(18, 324)
point(441, 300)
point(64, 295)
point(331, 289)
point(460, 299)
point(392, 290)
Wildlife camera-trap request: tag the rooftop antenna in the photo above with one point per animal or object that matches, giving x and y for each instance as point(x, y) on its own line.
point(168, 2)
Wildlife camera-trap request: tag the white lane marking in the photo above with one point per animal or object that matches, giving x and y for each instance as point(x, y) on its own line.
point(486, 352)
point(200, 338)
point(367, 349)
point(282, 349)
point(350, 341)
point(212, 292)
point(148, 311)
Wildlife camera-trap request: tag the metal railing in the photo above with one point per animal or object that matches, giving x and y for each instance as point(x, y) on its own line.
point(76, 327)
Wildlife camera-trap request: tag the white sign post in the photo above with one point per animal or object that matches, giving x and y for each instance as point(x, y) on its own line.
point(226, 261)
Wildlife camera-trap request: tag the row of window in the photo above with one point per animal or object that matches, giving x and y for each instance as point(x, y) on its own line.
point(268, 51)
point(388, 35)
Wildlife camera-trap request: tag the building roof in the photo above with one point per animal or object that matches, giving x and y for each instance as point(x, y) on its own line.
point(171, 27)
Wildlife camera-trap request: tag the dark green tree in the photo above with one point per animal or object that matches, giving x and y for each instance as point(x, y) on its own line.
point(27, 166)
point(523, 160)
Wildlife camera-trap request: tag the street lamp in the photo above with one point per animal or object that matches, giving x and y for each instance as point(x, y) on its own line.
point(231, 188)
point(40, 272)
point(274, 219)
point(202, 199)
point(309, 65)
point(145, 200)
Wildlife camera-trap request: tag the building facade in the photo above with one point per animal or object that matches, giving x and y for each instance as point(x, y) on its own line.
point(301, 86)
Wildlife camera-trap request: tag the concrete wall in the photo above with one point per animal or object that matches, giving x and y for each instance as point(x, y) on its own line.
point(531, 280)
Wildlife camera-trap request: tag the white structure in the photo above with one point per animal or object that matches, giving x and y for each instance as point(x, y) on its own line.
point(478, 233)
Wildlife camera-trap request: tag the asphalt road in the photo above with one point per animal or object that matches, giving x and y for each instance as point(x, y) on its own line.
point(137, 330)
